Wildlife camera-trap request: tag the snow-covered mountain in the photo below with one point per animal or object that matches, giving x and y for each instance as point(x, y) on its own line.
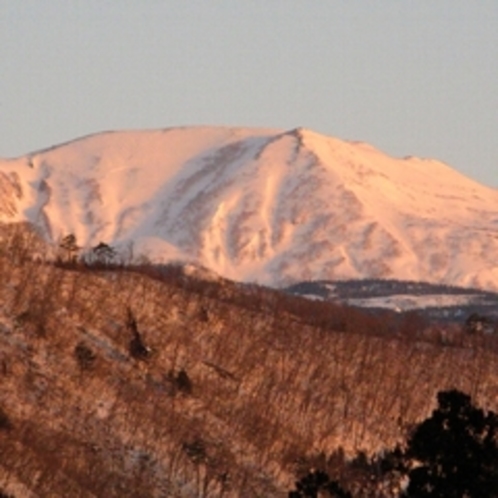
point(261, 205)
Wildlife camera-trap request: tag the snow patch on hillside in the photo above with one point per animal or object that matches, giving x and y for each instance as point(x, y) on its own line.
point(409, 302)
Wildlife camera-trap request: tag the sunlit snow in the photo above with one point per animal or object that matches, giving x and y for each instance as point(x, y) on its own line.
point(260, 205)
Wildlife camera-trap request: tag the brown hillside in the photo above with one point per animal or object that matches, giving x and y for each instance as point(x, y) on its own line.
point(120, 383)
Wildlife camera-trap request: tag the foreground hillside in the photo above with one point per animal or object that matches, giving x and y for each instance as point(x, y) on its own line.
point(123, 383)
point(258, 205)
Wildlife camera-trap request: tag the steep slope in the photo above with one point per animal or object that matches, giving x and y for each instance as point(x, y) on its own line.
point(241, 388)
point(261, 205)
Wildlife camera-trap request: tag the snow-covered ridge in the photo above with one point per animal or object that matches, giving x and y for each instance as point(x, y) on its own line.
point(261, 205)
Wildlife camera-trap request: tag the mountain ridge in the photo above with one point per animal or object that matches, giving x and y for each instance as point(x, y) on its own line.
point(268, 206)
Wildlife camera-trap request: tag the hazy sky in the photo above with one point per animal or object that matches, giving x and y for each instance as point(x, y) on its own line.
point(412, 77)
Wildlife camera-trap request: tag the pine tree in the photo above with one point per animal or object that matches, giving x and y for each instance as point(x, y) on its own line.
point(318, 483)
point(104, 253)
point(70, 247)
point(454, 453)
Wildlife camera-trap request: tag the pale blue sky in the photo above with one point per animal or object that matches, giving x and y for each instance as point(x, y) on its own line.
point(412, 77)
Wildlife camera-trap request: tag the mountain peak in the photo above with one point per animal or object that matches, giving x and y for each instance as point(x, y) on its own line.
point(260, 205)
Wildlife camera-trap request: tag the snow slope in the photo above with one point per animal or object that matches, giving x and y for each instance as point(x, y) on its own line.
point(261, 205)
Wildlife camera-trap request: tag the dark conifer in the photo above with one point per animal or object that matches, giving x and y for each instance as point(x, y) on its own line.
point(456, 450)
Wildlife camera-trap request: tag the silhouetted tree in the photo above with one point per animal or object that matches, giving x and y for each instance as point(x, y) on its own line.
point(137, 347)
point(70, 247)
point(318, 483)
point(454, 452)
point(103, 253)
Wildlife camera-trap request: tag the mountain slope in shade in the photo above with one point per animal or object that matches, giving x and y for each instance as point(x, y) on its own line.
point(261, 205)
